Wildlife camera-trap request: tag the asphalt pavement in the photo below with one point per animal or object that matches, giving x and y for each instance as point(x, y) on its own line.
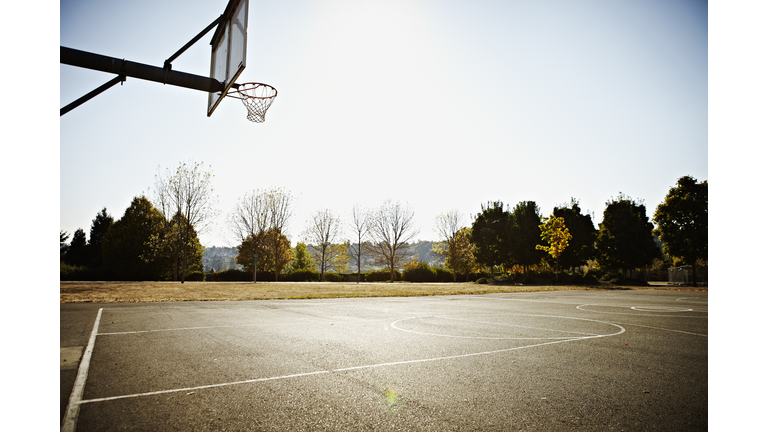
point(561, 360)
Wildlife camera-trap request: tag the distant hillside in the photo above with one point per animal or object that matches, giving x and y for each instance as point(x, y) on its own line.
point(424, 251)
point(220, 258)
point(225, 258)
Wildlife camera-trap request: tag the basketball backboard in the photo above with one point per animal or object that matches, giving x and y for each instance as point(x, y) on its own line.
point(228, 49)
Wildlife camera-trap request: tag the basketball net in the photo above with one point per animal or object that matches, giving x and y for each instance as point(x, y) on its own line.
point(257, 99)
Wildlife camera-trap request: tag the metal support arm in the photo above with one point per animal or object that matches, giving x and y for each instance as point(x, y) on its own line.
point(167, 64)
point(126, 68)
point(89, 96)
point(114, 65)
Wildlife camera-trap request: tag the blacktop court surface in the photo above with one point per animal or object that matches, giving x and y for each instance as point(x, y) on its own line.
point(560, 360)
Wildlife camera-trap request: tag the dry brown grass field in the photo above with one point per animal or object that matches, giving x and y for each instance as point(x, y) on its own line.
point(128, 292)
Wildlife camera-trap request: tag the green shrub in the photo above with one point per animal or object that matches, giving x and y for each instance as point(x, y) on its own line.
point(302, 275)
point(445, 275)
point(577, 278)
point(68, 272)
point(332, 277)
point(472, 276)
point(588, 278)
point(482, 281)
point(382, 275)
point(612, 277)
point(195, 276)
point(352, 277)
point(422, 272)
point(540, 277)
point(232, 275)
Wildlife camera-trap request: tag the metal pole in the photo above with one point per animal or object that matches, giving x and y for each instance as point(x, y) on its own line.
point(90, 95)
point(118, 66)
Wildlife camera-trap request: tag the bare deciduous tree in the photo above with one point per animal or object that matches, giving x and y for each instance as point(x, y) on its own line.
point(186, 200)
point(249, 217)
point(447, 226)
point(261, 212)
point(323, 231)
point(361, 227)
point(392, 227)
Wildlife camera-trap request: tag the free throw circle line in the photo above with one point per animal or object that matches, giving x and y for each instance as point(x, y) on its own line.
point(580, 307)
point(520, 326)
point(562, 339)
point(659, 309)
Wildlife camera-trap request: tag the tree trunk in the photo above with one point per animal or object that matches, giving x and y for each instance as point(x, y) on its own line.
point(183, 266)
point(275, 253)
point(358, 269)
point(693, 272)
point(322, 263)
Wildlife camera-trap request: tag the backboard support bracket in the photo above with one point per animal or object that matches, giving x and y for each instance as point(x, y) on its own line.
point(167, 63)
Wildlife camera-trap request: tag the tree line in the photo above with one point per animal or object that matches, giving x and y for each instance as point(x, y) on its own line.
point(154, 240)
point(157, 239)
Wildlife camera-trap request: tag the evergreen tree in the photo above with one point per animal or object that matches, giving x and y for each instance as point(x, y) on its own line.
point(77, 253)
point(525, 235)
point(490, 234)
point(581, 247)
point(127, 247)
point(683, 223)
point(625, 240)
point(99, 227)
point(63, 236)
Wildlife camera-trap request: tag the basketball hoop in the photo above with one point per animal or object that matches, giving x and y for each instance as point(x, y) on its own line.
point(256, 97)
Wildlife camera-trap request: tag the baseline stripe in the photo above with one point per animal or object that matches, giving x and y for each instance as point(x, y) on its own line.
point(75, 399)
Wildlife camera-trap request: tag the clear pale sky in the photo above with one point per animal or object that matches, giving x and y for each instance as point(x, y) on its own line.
point(439, 104)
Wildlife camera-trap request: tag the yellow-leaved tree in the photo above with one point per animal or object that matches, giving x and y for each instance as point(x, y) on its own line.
point(554, 232)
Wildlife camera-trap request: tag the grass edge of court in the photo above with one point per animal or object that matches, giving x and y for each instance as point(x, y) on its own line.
point(141, 292)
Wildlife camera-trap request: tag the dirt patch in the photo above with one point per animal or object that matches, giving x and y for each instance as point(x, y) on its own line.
point(131, 292)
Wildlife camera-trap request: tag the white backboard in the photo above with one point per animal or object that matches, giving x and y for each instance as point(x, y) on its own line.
point(228, 49)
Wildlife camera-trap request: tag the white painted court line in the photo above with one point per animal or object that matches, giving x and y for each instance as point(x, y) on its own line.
point(562, 338)
point(664, 329)
point(298, 324)
point(202, 387)
point(583, 309)
point(525, 327)
point(73, 408)
point(180, 329)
